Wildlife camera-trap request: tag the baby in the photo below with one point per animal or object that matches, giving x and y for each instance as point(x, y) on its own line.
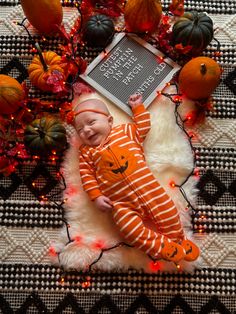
point(116, 178)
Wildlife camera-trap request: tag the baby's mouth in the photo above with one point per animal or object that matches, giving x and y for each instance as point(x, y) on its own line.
point(92, 136)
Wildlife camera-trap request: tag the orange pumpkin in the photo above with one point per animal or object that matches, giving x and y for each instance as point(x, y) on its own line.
point(199, 78)
point(44, 15)
point(142, 15)
point(38, 70)
point(11, 94)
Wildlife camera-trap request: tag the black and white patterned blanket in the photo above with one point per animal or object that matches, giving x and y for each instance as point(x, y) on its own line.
point(29, 283)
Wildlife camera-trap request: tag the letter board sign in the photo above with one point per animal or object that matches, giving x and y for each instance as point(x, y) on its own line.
point(129, 65)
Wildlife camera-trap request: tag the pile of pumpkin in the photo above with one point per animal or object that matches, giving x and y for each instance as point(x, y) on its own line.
point(198, 78)
point(43, 135)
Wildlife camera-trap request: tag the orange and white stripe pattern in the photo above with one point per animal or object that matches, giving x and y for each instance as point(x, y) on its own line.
point(118, 170)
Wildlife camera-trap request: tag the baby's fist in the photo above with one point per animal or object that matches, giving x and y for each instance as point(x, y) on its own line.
point(135, 100)
point(103, 203)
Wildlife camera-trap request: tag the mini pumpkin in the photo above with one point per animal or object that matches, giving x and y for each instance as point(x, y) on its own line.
point(42, 66)
point(44, 15)
point(199, 78)
point(98, 31)
point(193, 29)
point(142, 16)
point(11, 94)
point(44, 135)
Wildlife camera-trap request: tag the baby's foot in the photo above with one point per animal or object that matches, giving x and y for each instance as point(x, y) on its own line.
point(172, 251)
point(191, 250)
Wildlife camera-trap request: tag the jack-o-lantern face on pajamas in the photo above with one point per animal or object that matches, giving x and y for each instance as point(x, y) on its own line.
point(192, 251)
point(116, 163)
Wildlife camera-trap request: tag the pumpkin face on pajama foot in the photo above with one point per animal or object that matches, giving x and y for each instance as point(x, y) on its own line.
point(172, 251)
point(191, 249)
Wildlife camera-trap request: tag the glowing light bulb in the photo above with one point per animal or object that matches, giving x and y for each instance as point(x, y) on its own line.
point(172, 184)
point(189, 116)
point(154, 266)
point(52, 251)
point(196, 172)
point(85, 284)
point(178, 267)
point(177, 98)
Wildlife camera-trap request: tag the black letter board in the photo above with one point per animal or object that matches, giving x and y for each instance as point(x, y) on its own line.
point(129, 65)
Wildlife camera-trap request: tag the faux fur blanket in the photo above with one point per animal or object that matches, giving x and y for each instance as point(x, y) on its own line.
point(169, 156)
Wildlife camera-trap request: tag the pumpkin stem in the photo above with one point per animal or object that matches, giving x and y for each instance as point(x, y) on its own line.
point(195, 21)
point(40, 132)
point(45, 67)
point(203, 69)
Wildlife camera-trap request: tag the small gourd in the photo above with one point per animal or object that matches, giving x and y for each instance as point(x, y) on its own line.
point(44, 15)
point(42, 66)
point(98, 31)
point(44, 135)
point(193, 29)
point(142, 16)
point(199, 78)
point(11, 94)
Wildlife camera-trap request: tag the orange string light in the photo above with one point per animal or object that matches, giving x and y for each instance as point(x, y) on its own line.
point(172, 184)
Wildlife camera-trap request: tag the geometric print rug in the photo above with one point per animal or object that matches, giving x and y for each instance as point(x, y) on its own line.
point(29, 283)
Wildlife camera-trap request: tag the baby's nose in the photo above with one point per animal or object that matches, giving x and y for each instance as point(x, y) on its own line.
point(86, 129)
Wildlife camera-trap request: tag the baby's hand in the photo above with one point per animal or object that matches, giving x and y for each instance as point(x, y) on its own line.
point(135, 100)
point(103, 203)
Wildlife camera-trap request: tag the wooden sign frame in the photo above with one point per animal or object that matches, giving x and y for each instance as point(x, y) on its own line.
point(129, 65)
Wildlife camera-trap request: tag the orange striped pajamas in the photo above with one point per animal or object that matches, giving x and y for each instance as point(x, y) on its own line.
point(117, 169)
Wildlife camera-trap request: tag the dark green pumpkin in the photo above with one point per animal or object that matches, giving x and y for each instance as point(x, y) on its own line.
point(45, 135)
point(194, 29)
point(98, 31)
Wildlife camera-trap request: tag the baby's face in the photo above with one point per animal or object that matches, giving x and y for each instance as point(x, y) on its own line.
point(93, 128)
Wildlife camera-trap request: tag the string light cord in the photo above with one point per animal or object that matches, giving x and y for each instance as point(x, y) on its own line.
point(174, 97)
point(104, 250)
point(181, 126)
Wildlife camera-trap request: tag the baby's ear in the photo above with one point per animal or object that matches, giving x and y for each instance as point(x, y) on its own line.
point(110, 120)
point(74, 140)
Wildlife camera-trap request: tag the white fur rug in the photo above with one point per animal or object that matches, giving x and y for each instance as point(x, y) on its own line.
point(170, 158)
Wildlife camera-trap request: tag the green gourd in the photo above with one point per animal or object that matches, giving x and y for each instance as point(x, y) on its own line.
point(45, 135)
point(98, 31)
point(193, 29)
